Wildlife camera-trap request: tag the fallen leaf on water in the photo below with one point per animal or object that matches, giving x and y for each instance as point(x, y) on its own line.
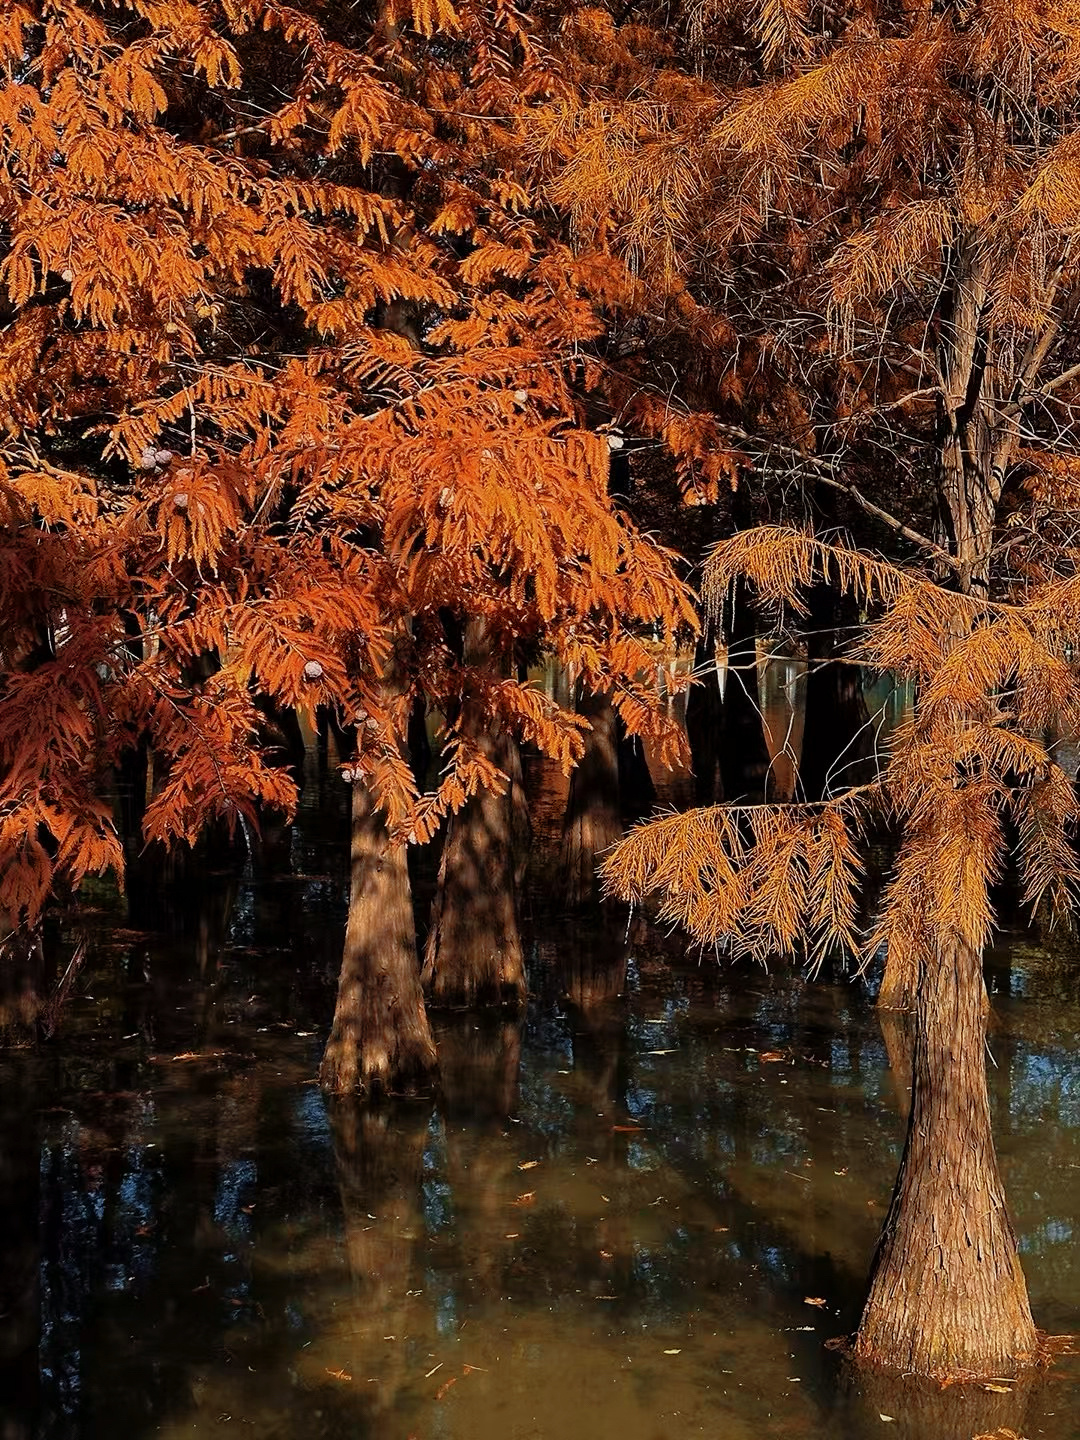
point(661, 1052)
point(607, 1254)
point(528, 1164)
point(526, 1198)
point(445, 1386)
point(885, 1417)
point(672, 1352)
point(625, 1129)
point(771, 1055)
point(814, 1300)
point(514, 1235)
point(1004, 1433)
point(468, 1369)
point(338, 1374)
point(999, 1389)
point(721, 1229)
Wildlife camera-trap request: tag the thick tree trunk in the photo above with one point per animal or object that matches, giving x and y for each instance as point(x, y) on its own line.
point(380, 1040)
point(947, 1295)
point(593, 821)
point(473, 954)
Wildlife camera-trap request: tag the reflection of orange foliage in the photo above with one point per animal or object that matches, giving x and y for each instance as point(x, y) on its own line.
point(445, 1387)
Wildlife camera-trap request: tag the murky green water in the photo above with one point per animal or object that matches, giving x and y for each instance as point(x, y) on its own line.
point(619, 1219)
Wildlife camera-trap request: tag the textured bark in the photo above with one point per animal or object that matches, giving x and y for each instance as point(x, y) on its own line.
point(947, 1295)
point(593, 821)
point(473, 954)
point(380, 1040)
point(899, 980)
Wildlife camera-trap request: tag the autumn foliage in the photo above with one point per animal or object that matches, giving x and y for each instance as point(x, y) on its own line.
point(290, 368)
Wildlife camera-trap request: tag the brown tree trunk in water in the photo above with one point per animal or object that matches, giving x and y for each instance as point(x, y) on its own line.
point(473, 954)
point(380, 1040)
point(593, 821)
point(947, 1295)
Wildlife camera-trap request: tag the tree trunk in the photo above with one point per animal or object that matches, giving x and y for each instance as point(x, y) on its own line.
point(380, 1040)
point(947, 1295)
point(704, 718)
point(899, 980)
point(473, 954)
point(592, 822)
point(744, 753)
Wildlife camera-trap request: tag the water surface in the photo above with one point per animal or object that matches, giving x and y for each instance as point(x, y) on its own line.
point(621, 1217)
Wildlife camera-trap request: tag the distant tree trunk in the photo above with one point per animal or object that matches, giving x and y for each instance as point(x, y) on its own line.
point(836, 737)
point(704, 720)
point(593, 821)
point(744, 754)
point(473, 954)
point(520, 821)
point(380, 1040)
point(947, 1294)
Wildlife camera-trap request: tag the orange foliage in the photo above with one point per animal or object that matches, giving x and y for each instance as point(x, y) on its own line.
point(293, 363)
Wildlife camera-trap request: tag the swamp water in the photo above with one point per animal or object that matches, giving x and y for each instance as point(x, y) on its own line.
point(638, 1213)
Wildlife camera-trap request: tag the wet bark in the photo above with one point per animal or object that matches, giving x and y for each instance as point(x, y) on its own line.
point(473, 954)
point(947, 1295)
point(380, 1041)
point(593, 821)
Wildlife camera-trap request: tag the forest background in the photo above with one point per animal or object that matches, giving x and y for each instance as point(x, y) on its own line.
point(351, 360)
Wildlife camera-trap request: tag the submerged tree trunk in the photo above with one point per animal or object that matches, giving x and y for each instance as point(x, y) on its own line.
point(473, 954)
point(593, 820)
point(380, 1040)
point(947, 1295)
